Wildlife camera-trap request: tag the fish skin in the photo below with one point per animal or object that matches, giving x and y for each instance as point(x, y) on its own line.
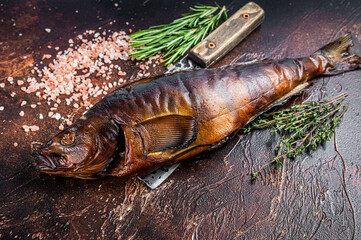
point(222, 100)
point(171, 118)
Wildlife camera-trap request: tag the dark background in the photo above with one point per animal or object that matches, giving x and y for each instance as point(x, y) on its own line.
point(314, 197)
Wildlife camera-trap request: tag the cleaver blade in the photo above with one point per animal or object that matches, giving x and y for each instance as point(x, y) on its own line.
point(208, 52)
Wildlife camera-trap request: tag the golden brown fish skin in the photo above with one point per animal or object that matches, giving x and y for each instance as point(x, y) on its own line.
point(170, 118)
point(222, 100)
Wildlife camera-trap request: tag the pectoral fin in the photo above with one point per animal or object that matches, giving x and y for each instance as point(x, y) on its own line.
point(167, 132)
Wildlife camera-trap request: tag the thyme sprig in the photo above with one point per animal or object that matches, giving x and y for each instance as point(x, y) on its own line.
point(177, 37)
point(303, 127)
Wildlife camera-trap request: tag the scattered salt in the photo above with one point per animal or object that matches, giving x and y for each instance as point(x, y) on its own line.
point(57, 116)
point(32, 128)
point(46, 56)
point(70, 71)
point(21, 113)
point(26, 128)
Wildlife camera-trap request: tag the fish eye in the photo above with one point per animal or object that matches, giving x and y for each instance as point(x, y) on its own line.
point(68, 138)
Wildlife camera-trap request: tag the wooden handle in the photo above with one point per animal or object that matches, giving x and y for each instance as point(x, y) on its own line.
point(228, 35)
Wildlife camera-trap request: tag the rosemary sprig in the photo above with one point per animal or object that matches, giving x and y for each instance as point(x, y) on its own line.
point(303, 127)
point(177, 37)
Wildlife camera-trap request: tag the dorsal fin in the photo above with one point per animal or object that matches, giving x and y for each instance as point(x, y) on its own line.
point(167, 132)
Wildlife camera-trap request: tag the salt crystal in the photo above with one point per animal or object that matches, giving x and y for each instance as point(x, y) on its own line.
point(23, 103)
point(15, 144)
point(2, 108)
point(26, 128)
point(41, 116)
point(48, 30)
point(57, 116)
point(46, 56)
point(21, 113)
point(33, 105)
point(34, 128)
point(2, 85)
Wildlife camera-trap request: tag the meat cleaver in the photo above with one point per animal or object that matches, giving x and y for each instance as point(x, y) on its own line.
point(206, 53)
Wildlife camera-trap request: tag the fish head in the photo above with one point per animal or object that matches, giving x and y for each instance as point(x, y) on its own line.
point(82, 150)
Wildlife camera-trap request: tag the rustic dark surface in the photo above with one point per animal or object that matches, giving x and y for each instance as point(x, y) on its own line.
point(314, 197)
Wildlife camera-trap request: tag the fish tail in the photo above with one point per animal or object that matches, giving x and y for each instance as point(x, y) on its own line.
point(339, 58)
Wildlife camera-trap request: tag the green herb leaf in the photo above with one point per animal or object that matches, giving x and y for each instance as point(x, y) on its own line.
point(254, 175)
point(179, 36)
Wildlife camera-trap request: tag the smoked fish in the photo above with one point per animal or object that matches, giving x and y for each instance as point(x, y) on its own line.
point(163, 120)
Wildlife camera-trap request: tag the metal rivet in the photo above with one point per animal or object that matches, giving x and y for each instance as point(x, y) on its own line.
point(211, 45)
point(245, 15)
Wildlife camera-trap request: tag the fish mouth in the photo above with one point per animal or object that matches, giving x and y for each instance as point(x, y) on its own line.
point(45, 162)
point(49, 162)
